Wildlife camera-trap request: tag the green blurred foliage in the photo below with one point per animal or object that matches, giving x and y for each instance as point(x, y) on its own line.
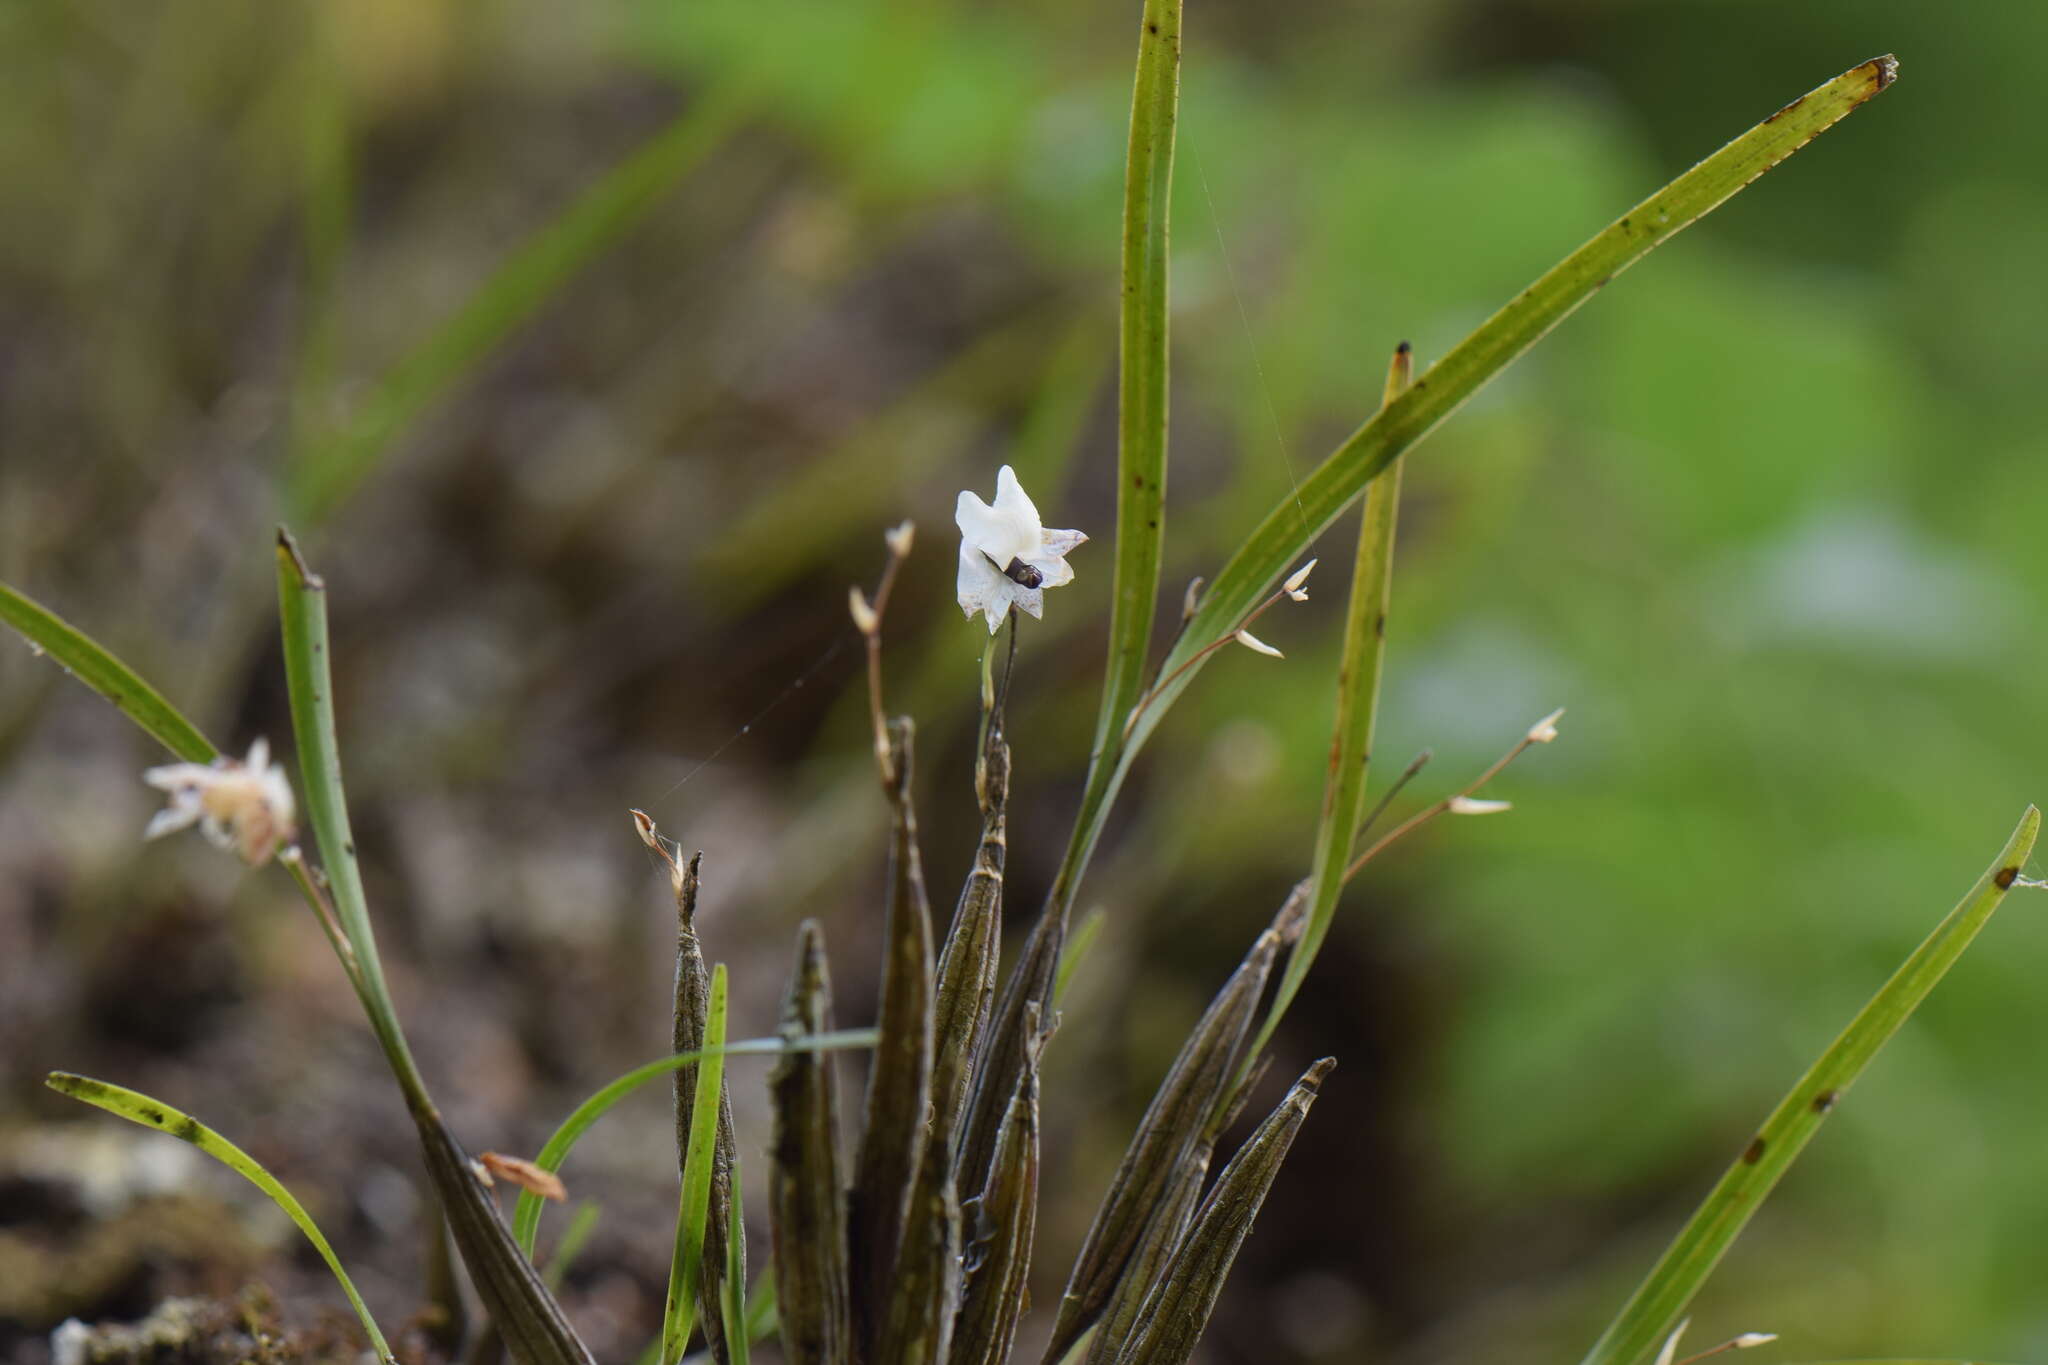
point(1766, 517)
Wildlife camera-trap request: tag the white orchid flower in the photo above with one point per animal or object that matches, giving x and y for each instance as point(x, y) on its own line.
point(242, 807)
point(1007, 557)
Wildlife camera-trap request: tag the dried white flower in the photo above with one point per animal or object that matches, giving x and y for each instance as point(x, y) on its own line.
point(1472, 805)
point(864, 618)
point(1254, 643)
point(243, 807)
point(1007, 557)
point(1292, 587)
point(899, 538)
point(1545, 730)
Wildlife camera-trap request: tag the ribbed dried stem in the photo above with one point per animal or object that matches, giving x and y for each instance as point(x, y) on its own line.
point(1194, 1088)
point(899, 1085)
point(1178, 1307)
point(807, 1210)
point(1002, 1223)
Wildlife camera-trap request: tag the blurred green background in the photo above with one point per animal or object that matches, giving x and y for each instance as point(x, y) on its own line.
point(1767, 517)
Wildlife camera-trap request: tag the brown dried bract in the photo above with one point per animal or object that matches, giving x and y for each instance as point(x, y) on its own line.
point(526, 1175)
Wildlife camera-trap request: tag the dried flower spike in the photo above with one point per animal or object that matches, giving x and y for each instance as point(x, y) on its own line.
point(243, 807)
point(1472, 805)
point(1007, 556)
point(1255, 644)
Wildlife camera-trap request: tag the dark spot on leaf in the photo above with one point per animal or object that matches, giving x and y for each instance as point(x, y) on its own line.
point(1755, 1152)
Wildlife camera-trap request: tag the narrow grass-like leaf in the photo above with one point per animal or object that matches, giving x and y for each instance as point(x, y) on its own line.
point(732, 1290)
point(86, 660)
point(1141, 401)
point(899, 1086)
point(1194, 1088)
point(514, 291)
point(1079, 944)
point(152, 1113)
point(1358, 701)
point(1178, 1308)
point(574, 1238)
point(999, 1226)
point(302, 607)
point(1279, 541)
point(763, 1303)
point(692, 1005)
point(1662, 1298)
point(526, 1218)
point(806, 1211)
point(686, 1266)
point(966, 982)
point(525, 1312)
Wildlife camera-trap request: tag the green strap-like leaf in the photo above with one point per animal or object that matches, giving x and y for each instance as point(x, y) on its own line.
point(86, 660)
point(692, 1008)
point(1358, 702)
point(693, 1214)
point(1279, 542)
point(1293, 525)
point(302, 604)
point(526, 1314)
point(732, 1291)
point(1178, 1308)
point(152, 1113)
point(526, 1217)
point(1658, 1304)
point(574, 1238)
point(1141, 408)
point(806, 1185)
